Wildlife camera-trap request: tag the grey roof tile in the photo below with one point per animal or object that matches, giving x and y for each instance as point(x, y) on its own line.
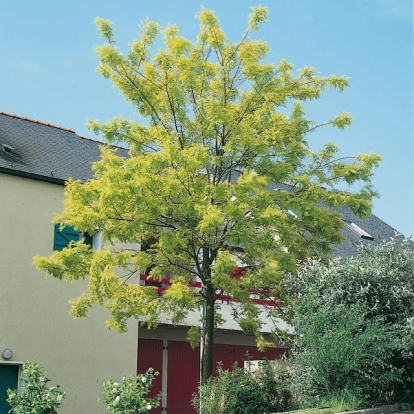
point(373, 225)
point(46, 151)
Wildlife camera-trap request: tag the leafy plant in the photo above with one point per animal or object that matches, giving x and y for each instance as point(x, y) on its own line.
point(35, 396)
point(337, 350)
point(239, 391)
point(132, 395)
point(275, 384)
point(354, 324)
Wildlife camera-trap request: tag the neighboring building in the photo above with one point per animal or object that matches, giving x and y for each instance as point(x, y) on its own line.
point(36, 158)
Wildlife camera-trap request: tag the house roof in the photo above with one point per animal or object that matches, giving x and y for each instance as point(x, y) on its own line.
point(372, 225)
point(47, 152)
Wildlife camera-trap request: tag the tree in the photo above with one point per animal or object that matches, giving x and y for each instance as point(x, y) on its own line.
point(354, 324)
point(220, 176)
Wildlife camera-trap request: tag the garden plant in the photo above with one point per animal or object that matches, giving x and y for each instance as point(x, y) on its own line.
point(35, 397)
point(354, 325)
point(239, 391)
point(131, 396)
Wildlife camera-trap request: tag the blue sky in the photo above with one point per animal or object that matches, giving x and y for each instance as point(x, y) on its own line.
point(48, 66)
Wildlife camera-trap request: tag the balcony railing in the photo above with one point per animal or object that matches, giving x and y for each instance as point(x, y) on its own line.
point(163, 284)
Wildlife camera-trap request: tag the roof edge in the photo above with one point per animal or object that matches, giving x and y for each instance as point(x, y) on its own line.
point(37, 177)
point(36, 121)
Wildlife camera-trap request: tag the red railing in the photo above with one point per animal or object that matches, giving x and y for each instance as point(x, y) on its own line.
point(164, 283)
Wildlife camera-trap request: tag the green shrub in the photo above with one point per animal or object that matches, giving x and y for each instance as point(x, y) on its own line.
point(238, 391)
point(275, 385)
point(355, 324)
point(337, 350)
point(131, 396)
point(35, 396)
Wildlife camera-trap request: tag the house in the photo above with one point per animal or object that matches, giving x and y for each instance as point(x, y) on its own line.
point(36, 158)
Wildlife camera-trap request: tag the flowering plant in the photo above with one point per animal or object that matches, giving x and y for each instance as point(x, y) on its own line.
point(131, 396)
point(35, 396)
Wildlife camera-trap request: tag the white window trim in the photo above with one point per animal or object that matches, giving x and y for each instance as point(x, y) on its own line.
point(357, 230)
point(19, 373)
point(2, 362)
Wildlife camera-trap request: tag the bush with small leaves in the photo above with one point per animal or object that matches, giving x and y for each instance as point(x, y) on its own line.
point(35, 396)
point(131, 396)
point(239, 391)
point(355, 324)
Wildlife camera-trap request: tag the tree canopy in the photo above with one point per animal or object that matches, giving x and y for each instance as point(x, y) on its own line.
point(219, 176)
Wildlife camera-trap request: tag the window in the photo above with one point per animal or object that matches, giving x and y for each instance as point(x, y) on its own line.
point(64, 236)
point(357, 230)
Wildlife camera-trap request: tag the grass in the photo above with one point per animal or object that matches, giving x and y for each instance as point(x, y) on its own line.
point(345, 401)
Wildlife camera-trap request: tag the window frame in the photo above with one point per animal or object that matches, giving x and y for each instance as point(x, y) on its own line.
point(360, 232)
point(19, 365)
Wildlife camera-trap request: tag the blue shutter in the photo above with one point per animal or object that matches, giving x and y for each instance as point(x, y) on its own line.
point(64, 236)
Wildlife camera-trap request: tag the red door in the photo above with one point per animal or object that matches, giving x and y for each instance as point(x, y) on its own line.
point(150, 356)
point(183, 377)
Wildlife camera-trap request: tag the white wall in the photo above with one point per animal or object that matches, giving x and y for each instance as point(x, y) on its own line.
point(226, 309)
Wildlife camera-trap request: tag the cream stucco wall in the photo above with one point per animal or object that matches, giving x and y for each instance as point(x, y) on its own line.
point(34, 321)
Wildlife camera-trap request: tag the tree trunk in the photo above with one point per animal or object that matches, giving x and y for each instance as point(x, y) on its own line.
point(208, 337)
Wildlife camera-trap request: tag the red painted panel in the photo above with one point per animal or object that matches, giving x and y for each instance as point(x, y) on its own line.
point(150, 356)
point(183, 377)
point(228, 355)
point(275, 353)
